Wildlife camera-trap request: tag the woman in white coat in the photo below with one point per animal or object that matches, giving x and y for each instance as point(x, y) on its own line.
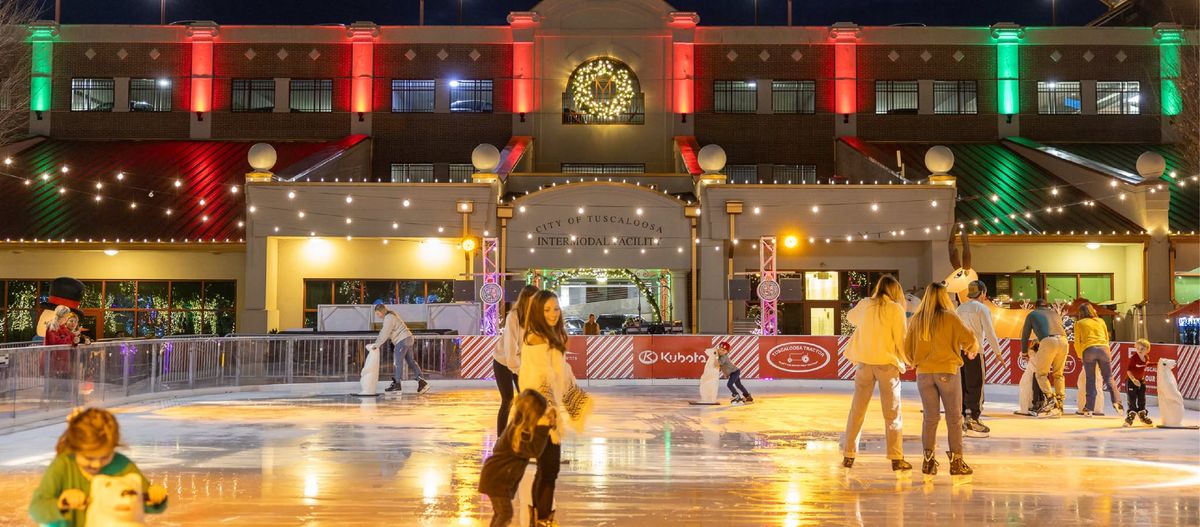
point(877, 350)
point(506, 358)
point(544, 368)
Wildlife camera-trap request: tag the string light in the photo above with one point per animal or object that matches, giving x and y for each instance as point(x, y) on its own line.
point(291, 194)
point(178, 183)
point(349, 200)
point(404, 203)
point(252, 209)
point(120, 176)
point(816, 209)
point(300, 214)
point(874, 207)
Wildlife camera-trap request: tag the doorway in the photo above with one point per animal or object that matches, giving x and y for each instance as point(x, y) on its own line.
point(822, 318)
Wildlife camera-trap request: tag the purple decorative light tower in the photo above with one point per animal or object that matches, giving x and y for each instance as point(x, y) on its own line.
point(768, 285)
point(492, 292)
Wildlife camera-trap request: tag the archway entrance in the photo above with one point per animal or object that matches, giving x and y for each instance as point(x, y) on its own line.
point(620, 298)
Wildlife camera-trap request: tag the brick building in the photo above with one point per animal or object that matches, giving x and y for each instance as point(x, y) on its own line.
point(598, 111)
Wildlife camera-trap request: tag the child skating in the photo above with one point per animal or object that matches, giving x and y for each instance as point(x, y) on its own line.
point(524, 438)
point(1135, 384)
point(735, 376)
point(86, 450)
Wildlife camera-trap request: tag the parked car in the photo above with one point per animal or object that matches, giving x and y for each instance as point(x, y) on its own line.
point(574, 325)
point(610, 324)
point(471, 105)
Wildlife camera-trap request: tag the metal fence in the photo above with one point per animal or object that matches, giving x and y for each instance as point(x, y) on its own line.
point(39, 379)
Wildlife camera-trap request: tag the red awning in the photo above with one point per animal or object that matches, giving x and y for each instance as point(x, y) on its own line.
point(1187, 310)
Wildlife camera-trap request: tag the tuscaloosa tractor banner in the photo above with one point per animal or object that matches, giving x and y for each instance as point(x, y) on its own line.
point(794, 357)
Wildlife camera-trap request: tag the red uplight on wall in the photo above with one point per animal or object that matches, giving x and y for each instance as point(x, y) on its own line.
point(523, 98)
point(684, 74)
point(845, 67)
point(201, 37)
point(362, 62)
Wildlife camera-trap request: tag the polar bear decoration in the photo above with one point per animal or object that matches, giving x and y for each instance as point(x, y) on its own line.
point(116, 501)
point(369, 378)
point(1170, 400)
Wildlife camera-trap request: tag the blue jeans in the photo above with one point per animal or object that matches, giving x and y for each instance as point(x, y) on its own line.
point(735, 380)
point(403, 355)
point(1091, 357)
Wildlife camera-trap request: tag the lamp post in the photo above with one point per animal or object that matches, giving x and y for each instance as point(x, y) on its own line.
point(162, 12)
point(756, 12)
point(1054, 12)
point(460, 12)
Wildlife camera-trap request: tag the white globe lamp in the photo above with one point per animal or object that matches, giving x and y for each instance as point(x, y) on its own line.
point(1150, 165)
point(940, 160)
point(711, 159)
point(485, 157)
point(262, 157)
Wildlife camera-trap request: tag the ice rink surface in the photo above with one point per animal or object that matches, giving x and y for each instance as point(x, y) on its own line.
point(290, 457)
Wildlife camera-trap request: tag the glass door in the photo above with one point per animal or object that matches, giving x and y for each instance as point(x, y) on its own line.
point(822, 318)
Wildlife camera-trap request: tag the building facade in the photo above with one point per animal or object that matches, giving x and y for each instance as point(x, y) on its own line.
point(134, 175)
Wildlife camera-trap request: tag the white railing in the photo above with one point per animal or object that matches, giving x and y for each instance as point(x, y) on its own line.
point(37, 380)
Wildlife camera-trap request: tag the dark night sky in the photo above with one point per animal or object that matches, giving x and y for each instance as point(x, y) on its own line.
point(477, 12)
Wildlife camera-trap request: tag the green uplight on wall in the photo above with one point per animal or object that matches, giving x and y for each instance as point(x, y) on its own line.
point(1170, 37)
point(1007, 37)
point(41, 39)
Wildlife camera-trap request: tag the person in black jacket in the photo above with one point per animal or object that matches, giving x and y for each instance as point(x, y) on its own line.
point(523, 439)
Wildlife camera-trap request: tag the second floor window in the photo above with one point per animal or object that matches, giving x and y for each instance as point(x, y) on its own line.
point(954, 97)
point(149, 95)
point(1058, 97)
point(471, 96)
point(794, 96)
point(253, 95)
point(92, 95)
point(735, 96)
point(412, 172)
point(893, 97)
point(412, 95)
point(311, 95)
point(1119, 97)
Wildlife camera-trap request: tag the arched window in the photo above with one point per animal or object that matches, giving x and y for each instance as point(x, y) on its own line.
point(603, 90)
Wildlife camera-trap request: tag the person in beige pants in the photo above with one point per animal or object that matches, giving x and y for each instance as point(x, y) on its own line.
point(877, 350)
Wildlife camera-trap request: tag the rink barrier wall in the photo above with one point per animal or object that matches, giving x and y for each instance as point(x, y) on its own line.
point(36, 381)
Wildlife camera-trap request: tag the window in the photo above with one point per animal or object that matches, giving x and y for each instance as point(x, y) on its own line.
point(127, 308)
point(253, 95)
point(1118, 98)
point(412, 95)
point(412, 172)
point(1062, 287)
point(461, 172)
point(795, 174)
point(735, 96)
point(473, 96)
point(954, 97)
point(311, 95)
point(603, 168)
point(794, 96)
point(92, 95)
point(742, 174)
point(893, 97)
point(149, 95)
point(317, 292)
point(1058, 97)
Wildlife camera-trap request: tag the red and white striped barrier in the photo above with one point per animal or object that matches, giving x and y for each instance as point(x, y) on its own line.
point(791, 357)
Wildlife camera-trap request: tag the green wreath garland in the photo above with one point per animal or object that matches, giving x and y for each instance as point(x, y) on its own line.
point(581, 89)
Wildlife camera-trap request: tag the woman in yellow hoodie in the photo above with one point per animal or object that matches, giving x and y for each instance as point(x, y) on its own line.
point(933, 343)
point(1091, 344)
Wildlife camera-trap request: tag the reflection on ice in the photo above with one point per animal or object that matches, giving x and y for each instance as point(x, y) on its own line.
point(647, 459)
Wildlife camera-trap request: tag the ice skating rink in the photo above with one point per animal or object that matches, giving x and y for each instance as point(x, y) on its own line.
point(301, 457)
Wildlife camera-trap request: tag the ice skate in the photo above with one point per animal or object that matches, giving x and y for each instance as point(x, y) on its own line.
point(1085, 413)
point(1129, 419)
point(747, 399)
point(958, 467)
point(1120, 408)
point(899, 465)
point(736, 400)
point(422, 386)
point(848, 462)
point(929, 465)
point(1145, 417)
point(973, 428)
point(394, 386)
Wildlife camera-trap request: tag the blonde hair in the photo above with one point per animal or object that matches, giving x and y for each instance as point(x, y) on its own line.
point(1143, 344)
point(60, 316)
point(934, 305)
point(526, 410)
point(89, 429)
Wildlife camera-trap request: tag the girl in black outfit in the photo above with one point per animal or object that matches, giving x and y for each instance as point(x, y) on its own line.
point(524, 438)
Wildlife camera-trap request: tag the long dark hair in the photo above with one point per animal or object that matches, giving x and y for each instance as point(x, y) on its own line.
point(522, 304)
point(535, 321)
point(526, 410)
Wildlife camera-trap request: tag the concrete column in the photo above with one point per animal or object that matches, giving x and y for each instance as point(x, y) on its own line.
point(258, 308)
point(1158, 265)
point(441, 96)
point(713, 288)
point(120, 94)
point(1087, 97)
point(283, 95)
point(679, 296)
point(925, 97)
point(766, 97)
